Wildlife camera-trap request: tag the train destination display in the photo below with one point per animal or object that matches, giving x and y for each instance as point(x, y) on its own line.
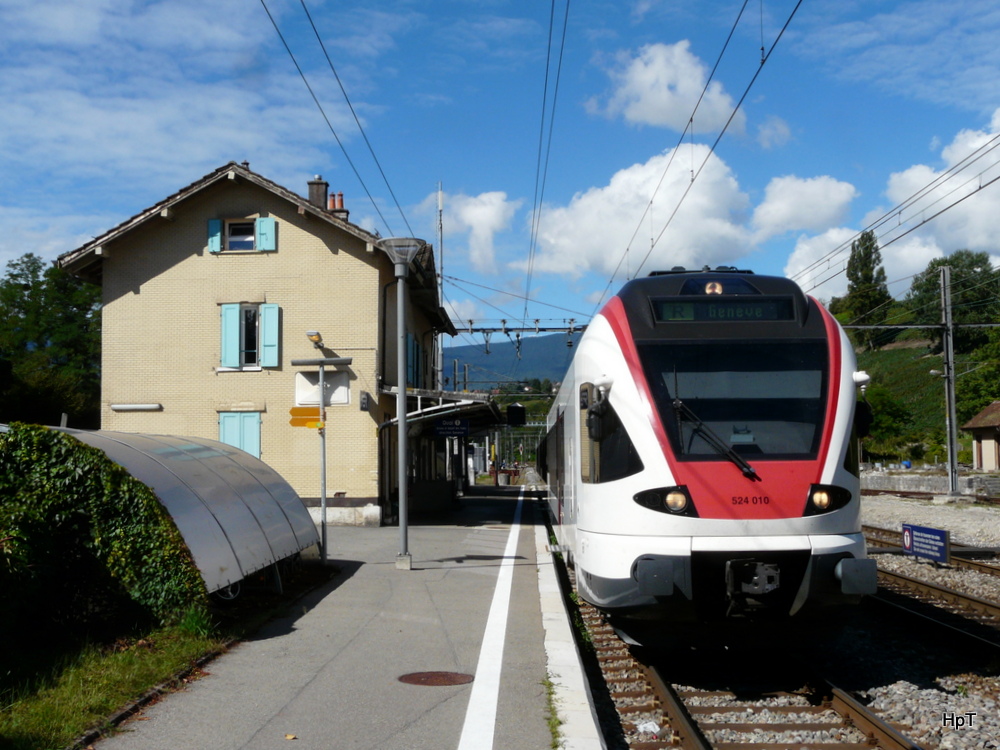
point(715, 310)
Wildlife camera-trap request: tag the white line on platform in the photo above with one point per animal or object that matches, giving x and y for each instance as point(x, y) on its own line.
point(481, 715)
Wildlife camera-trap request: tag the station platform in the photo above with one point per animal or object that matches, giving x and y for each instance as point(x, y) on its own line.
point(477, 629)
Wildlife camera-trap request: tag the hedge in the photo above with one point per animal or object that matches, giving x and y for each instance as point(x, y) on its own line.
point(80, 537)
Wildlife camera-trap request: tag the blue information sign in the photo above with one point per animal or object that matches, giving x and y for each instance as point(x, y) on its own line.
point(931, 544)
point(451, 427)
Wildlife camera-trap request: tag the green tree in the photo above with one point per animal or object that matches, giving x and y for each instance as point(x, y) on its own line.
point(49, 345)
point(891, 422)
point(975, 296)
point(868, 300)
point(978, 387)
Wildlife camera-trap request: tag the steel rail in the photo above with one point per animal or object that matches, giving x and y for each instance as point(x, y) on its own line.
point(958, 598)
point(687, 733)
point(884, 735)
point(875, 536)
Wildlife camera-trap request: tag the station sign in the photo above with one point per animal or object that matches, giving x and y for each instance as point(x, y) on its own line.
point(451, 427)
point(928, 543)
point(305, 416)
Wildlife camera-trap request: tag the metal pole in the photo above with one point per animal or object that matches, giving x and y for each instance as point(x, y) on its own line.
point(322, 463)
point(438, 344)
point(403, 560)
point(949, 379)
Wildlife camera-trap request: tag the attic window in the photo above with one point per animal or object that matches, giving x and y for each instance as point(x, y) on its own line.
point(239, 235)
point(242, 235)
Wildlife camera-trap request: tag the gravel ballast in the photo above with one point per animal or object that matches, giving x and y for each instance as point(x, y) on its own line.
point(947, 710)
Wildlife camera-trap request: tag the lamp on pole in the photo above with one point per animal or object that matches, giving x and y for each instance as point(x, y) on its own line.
point(401, 251)
point(317, 341)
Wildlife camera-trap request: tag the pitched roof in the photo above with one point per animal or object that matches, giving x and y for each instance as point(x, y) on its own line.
point(85, 261)
point(988, 417)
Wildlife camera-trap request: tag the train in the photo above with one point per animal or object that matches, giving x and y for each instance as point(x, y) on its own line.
point(702, 453)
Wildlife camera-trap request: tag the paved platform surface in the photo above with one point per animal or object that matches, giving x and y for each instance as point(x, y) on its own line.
point(480, 600)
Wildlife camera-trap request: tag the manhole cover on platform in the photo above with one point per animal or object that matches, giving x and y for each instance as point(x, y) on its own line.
point(436, 679)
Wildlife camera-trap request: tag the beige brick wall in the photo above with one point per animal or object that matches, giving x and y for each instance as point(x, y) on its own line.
point(161, 341)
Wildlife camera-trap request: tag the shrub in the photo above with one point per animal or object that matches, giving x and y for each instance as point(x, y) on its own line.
point(81, 540)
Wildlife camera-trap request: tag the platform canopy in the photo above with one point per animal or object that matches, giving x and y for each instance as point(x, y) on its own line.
point(236, 514)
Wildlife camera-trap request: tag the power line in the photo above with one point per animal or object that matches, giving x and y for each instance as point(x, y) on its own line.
point(909, 202)
point(457, 283)
point(725, 127)
point(356, 119)
point(711, 151)
point(541, 171)
point(319, 106)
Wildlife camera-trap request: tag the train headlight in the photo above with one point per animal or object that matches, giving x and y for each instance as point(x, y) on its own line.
point(821, 499)
point(824, 498)
point(671, 500)
point(676, 501)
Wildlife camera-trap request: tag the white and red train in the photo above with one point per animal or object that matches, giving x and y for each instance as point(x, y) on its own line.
point(701, 454)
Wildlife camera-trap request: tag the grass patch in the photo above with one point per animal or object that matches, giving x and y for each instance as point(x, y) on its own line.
point(86, 688)
point(552, 717)
point(55, 690)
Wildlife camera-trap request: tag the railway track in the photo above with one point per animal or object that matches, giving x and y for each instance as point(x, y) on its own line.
point(709, 702)
point(963, 555)
point(656, 712)
point(982, 610)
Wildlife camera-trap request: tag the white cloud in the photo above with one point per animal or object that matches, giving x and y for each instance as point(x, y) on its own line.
point(802, 204)
point(906, 258)
point(46, 233)
point(480, 217)
point(660, 86)
point(972, 223)
point(773, 132)
point(593, 231)
point(932, 50)
point(461, 311)
point(814, 268)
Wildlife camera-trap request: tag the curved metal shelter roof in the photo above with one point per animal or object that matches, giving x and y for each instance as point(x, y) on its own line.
point(236, 514)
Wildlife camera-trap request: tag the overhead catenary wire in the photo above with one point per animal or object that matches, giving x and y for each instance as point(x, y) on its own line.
point(542, 162)
point(459, 282)
point(357, 120)
point(689, 127)
point(718, 139)
point(322, 111)
point(910, 201)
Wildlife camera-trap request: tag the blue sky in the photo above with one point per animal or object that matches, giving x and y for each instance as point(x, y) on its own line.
point(111, 105)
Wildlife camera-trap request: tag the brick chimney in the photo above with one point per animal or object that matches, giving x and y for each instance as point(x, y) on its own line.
point(337, 206)
point(318, 188)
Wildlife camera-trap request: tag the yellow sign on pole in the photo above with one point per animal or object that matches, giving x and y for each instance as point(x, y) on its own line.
point(305, 422)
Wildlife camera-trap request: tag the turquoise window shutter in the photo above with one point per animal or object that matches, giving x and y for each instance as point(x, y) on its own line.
point(229, 428)
point(241, 430)
point(265, 239)
point(250, 433)
point(230, 325)
point(214, 235)
point(269, 329)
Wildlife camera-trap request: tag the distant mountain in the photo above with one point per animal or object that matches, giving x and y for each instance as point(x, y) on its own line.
point(541, 357)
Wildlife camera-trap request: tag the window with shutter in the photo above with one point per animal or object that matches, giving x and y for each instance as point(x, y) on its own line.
point(250, 335)
point(241, 429)
point(242, 235)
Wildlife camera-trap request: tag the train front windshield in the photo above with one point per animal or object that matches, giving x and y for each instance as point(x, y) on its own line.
point(757, 399)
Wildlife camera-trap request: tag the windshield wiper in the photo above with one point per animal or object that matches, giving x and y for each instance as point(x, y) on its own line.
point(709, 436)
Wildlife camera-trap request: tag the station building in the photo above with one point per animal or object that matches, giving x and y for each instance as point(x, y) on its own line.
point(207, 299)
point(985, 429)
